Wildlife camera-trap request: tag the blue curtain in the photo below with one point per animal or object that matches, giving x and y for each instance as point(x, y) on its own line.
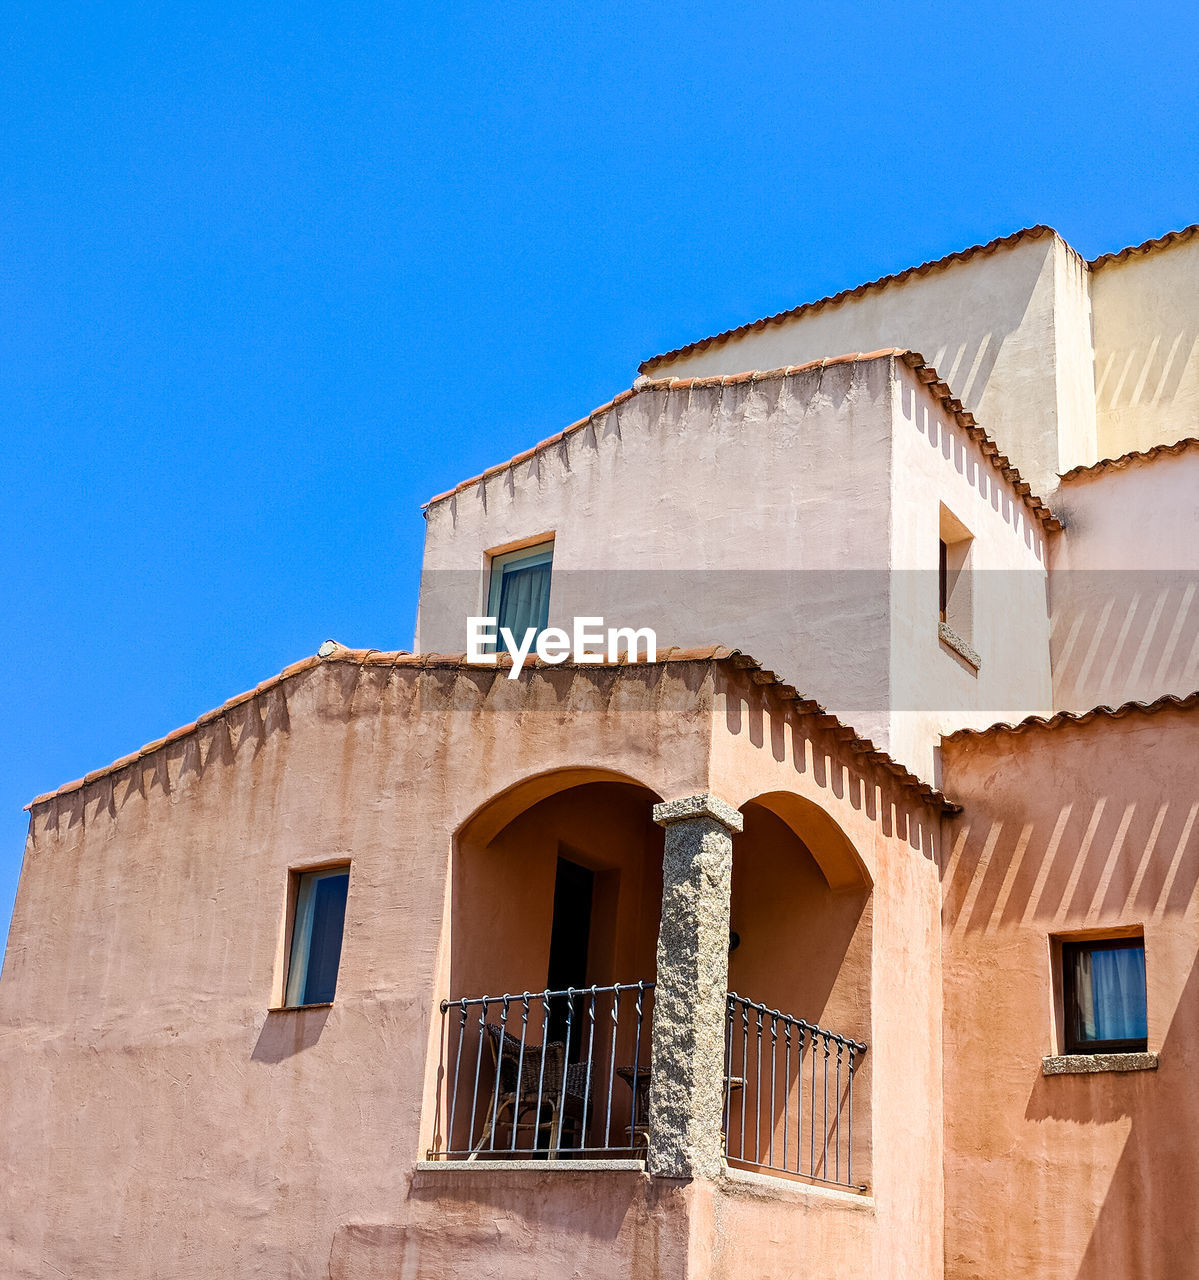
point(524, 599)
point(1109, 988)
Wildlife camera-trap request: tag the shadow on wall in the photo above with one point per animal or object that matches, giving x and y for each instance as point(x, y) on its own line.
point(957, 449)
point(793, 738)
point(1102, 858)
point(1144, 378)
point(1147, 1225)
point(803, 949)
point(1123, 635)
point(287, 1032)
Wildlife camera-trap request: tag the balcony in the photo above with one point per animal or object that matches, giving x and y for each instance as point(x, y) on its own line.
point(568, 1075)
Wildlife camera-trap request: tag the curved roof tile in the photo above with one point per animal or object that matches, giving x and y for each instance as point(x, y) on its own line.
point(913, 359)
point(804, 308)
point(1166, 702)
point(1127, 459)
point(1146, 246)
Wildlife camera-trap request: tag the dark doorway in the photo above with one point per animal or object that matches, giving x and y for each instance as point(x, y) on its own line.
point(574, 889)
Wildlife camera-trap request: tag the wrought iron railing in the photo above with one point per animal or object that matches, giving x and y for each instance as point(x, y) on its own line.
point(788, 1098)
point(560, 1074)
point(545, 1074)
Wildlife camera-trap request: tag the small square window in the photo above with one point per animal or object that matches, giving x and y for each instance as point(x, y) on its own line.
point(518, 595)
point(1103, 990)
point(316, 936)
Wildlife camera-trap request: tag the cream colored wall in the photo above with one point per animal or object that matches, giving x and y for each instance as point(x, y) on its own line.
point(987, 325)
point(1074, 359)
point(1072, 1177)
point(1147, 348)
point(769, 517)
point(753, 515)
point(1124, 584)
point(934, 690)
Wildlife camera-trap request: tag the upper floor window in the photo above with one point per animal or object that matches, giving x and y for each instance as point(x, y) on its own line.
point(316, 936)
point(955, 587)
point(518, 595)
point(1103, 989)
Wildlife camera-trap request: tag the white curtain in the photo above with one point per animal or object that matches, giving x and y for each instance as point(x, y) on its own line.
point(1109, 989)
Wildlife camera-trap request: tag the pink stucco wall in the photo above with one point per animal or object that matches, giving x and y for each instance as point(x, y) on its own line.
point(164, 1120)
point(1072, 1177)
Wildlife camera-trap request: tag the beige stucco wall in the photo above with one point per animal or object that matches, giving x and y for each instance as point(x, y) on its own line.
point(162, 1121)
point(1073, 1177)
point(753, 515)
point(1074, 361)
point(770, 516)
point(934, 690)
point(1147, 348)
point(988, 325)
point(1124, 583)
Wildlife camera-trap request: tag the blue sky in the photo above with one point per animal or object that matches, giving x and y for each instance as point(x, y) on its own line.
point(273, 275)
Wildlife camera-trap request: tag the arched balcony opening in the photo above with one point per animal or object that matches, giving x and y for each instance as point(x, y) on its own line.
point(556, 890)
point(798, 1097)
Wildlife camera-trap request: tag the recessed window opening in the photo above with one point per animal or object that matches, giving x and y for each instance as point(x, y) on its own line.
point(316, 934)
point(518, 593)
point(955, 587)
point(1103, 989)
point(943, 578)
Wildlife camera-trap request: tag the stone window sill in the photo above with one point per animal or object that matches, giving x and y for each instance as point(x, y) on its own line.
point(952, 640)
point(299, 1008)
point(1071, 1064)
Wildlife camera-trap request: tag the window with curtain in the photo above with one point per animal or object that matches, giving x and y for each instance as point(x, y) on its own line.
point(1104, 990)
point(316, 936)
point(519, 592)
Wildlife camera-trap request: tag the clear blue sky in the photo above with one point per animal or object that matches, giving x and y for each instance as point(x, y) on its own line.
point(275, 274)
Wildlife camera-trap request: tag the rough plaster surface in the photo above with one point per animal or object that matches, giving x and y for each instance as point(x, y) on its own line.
point(1083, 1176)
point(687, 1093)
point(819, 558)
point(988, 326)
point(1147, 348)
point(162, 1121)
point(1123, 584)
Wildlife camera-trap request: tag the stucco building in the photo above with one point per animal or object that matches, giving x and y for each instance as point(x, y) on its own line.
point(856, 933)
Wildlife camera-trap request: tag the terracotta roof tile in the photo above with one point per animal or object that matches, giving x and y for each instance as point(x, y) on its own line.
point(1166, 702)
point(936, 385)
point(963, 255)
point(1128, 459)
point(333, 652)
point(1146, 246)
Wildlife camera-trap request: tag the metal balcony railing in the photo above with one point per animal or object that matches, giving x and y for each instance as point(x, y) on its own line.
point(545, 1074)
point(788, 1101)
point(566, 1074)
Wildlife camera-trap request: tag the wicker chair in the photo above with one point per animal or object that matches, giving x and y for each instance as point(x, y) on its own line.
point(537, 1102)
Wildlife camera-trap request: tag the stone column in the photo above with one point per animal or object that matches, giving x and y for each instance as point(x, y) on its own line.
point(687, 1086)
